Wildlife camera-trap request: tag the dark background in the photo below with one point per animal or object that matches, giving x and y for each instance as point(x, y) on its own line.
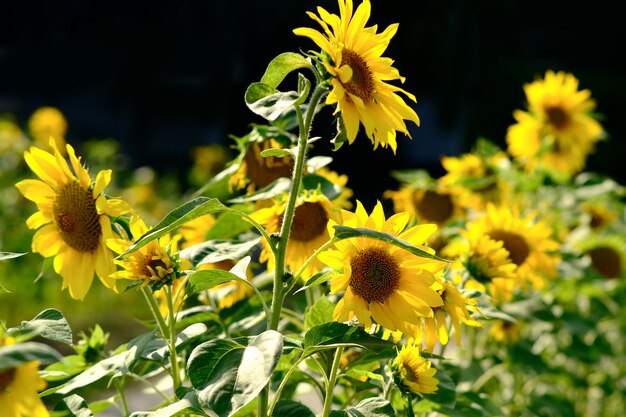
point(161, 77)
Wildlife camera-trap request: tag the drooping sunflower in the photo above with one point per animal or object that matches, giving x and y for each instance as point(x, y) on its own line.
point(558, 131)
point(413, 373)
point(527, 240)
point(48, 122)
point(308, 230)
point(155, 264)
point(607, 254)
point(74, 218)
point(256, 171)
point(19, 387)
point(428, 205)
point(352, 55)
point(382, 283)
point(341, 180)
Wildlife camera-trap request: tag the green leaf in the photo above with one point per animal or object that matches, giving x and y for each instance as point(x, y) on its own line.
point(369, 407)
point(218, 250)
point(345, 232)
point(279, 153)
point(4, 290)
point(229, 376)
point(96, 372)
point(209, 278)
point(258, 91)
point(341, 137)
point(49, 324)
point(72, 406)
point(10, 255)
point(446, 391)
point(277, 187)
point(68, 367)
point(333, 334)
point(317, 279)
point(177, 217)
point(281, 66)
point(188, 404)
point(18, 354)
point(319, 313)
point(328, 188)
point(288, 408)
point(272, 106)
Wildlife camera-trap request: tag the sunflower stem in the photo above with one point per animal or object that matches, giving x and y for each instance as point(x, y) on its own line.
point(332, 378)
point(409, 406)
point(164, 330)
point(279, 288)
point(278, 294)
point(172, 328)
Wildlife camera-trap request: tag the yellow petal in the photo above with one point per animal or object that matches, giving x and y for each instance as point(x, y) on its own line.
point(47, 241)
point(102, 181)
point(35, 190)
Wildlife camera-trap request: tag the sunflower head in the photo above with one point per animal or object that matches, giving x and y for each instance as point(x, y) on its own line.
point(358, 73)
point(256, 171)
point(606, 253)
point(381, 283)
point(308, 231)
point(412, 373)
point(428, 204)
point(558, 131)
point(155, 264)
point(74, 217)
point(48, 122)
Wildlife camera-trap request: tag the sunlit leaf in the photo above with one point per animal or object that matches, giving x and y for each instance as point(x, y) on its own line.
point(369, 407)
point(345, 232)
point(334, 334)
point(72, 406)
point(10, 255)
point(218, 250)
point(18, 354)
point(49, 324)
point(281, 66)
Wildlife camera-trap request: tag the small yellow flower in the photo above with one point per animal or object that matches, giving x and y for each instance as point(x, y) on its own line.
point(412, 373)
point(151, 264)
point(11, 137)
point(48, 122)
point(558, 131)
point(74, 218)
point(308, 231)
point(607, 254)
point(352, 55)
point(427, 205)
point(19, 387)
point(382, 283)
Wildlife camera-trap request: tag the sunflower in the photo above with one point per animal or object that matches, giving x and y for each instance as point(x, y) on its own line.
point(558, 131)
point(600, 213)
point(527, 240)
point(256, 172)
point(383, 283)
point(412, 373)
point(343, 199)
point(74, 218)
point(428, 205)
point(154, 264)
point(352, 55)
point(19, 387)
point(474, 181)
point(48, 122)
point(506, 332)
point(308, 230)
point(607, 254)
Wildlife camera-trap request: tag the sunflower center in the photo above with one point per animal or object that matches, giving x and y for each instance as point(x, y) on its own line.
point(263, 171)
point(6, 378)
point(409, 373)
point(515, 244)
point(375, 275)
point(433, 207)
point(556, 116)
point(76, 217)
point(156, 267)
point(309, 222)
point(606, 261)
point(362, 82)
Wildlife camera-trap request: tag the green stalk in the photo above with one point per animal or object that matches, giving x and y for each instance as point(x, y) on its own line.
point(164, 330)
point(172, 325)
point(279, 288)
point(332, 378)
point(278, 294)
